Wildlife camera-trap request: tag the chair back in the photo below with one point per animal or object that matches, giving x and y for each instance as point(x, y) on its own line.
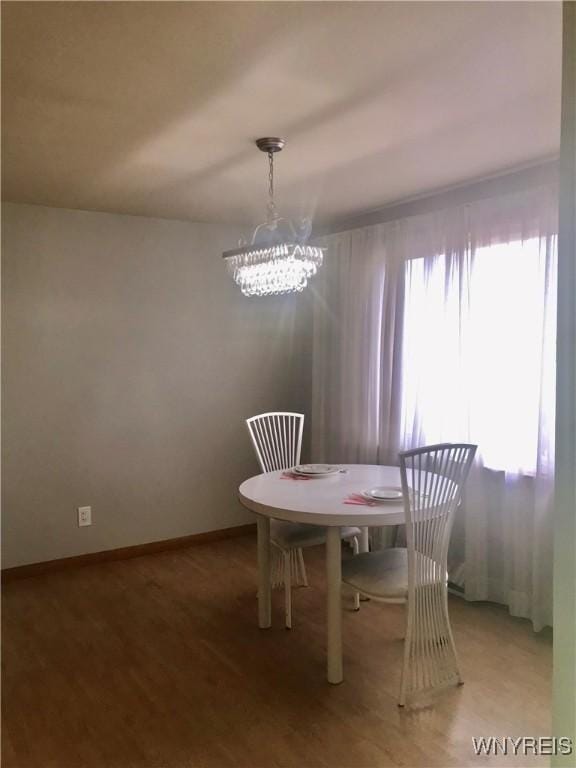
point(277, 439)
point(432, 481)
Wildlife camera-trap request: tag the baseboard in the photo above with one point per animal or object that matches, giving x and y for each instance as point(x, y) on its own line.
point(124, 553)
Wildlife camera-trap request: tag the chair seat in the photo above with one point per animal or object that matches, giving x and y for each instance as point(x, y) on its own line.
point(384, 574)
point(292, 535)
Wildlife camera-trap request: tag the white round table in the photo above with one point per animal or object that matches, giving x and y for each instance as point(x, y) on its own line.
point(319, 501)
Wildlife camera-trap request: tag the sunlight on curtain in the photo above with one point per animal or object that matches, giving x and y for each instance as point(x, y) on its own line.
point(478, 365)
point(441, 328)
point(479, 353)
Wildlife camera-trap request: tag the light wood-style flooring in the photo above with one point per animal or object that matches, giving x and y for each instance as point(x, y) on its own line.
point(157, 662)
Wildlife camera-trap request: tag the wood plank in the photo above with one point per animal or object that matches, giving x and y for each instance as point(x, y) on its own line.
point(123, 553)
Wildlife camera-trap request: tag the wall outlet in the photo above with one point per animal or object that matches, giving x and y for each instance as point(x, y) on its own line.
point(84, 516)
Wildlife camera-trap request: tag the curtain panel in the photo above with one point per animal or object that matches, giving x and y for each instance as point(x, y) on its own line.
point(441, 327)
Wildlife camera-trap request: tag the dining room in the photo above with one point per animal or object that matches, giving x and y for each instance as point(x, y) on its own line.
point(288, 349)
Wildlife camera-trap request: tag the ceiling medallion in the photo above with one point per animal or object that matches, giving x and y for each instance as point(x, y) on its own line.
point(278, 259)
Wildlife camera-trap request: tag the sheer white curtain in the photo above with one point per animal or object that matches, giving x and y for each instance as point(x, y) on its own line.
point(354, 317)
point(439, 328)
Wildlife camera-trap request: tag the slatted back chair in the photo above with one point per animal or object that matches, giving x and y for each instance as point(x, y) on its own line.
point(277, 439)
point(433, 478)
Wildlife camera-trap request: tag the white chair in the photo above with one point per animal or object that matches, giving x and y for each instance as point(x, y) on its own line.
point(277, 440)
point(432, 481)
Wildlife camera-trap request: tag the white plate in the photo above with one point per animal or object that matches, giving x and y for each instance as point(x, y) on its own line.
point(383, 493)
point(316, 470)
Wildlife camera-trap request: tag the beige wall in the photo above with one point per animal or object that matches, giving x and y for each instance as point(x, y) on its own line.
point(130, 362)
point(564, 680)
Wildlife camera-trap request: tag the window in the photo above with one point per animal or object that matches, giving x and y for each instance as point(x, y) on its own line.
point(478, 352)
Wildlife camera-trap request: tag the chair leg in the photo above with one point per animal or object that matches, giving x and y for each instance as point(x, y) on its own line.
point(451, 638)
point(277, 567)
point(288, 590)
point(355, 550)
point(302, 577)
point(406, 662)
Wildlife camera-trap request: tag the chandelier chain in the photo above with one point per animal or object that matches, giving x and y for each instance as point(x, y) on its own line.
point(272, 212)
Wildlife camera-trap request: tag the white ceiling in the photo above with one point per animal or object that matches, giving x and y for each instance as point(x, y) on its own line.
point(152, 108)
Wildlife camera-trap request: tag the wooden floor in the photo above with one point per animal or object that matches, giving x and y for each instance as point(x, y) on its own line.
point(157, 662)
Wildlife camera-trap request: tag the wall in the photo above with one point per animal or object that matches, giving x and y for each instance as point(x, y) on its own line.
point(130, 363)
point(564, 679)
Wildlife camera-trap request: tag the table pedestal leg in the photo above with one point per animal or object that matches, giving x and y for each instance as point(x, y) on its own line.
point(334, 608)
point(264, 597)
point(364, 540)
point(364, 547)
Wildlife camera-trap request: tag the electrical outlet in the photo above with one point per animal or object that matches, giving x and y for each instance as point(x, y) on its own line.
point(84, 516)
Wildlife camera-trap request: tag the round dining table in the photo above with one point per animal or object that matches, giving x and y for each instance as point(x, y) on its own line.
point(331, 502)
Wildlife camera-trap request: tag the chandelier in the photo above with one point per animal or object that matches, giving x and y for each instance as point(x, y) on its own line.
point(278, 259)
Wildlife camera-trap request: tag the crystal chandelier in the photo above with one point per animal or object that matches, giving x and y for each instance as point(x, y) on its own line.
point(278, 258)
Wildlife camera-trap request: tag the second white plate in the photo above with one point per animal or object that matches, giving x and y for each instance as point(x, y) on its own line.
point(383, 493)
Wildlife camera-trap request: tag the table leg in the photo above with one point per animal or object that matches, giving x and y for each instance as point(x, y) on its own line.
point(364, 540)
point(264, 597)
point(364, 547)
point(334, 608)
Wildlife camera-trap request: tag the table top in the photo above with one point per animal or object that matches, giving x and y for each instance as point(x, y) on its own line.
point(320, 501)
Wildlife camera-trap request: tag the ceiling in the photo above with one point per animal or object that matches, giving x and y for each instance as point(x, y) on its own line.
point(151, 108)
